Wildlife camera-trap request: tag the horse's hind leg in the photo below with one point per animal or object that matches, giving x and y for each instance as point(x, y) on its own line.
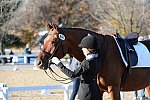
point(148, 90)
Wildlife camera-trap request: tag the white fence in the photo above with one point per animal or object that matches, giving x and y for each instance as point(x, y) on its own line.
point(17, 56)
point(4, 90)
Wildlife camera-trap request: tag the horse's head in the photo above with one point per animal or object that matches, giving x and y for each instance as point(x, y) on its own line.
point(52, 46)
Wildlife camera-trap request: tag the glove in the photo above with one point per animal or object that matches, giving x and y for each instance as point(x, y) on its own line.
point(55, 60)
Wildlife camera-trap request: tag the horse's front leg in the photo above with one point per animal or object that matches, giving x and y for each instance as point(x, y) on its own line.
point(114, 92)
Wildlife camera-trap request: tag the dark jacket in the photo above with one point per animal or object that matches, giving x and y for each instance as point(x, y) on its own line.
point(88, 71)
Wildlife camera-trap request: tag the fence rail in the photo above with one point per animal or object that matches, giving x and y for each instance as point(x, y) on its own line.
point(4, 90)
point(25, 56)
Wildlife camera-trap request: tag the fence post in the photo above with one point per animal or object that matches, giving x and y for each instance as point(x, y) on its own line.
point(25, 59)
point(14, 61)
point(45, 91)
point(66, 92)
point(4, 89)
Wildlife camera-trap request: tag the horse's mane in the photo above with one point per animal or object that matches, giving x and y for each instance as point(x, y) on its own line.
point(79, 31)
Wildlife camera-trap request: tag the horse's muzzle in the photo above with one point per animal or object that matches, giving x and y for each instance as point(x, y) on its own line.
point(39, 64)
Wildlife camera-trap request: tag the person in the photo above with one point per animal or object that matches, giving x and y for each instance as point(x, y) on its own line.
point(11, 53)
point(28, 51)
point(76, 81)
point(88, 70)
point(142, 94)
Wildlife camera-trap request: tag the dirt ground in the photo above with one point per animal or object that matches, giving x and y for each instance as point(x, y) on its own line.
point(30, 77)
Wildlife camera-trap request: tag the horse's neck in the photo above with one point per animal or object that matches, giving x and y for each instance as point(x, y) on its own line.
point(73, 39)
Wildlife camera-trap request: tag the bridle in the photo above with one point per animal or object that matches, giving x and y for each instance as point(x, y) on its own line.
point(58, 43)
point(50, 56)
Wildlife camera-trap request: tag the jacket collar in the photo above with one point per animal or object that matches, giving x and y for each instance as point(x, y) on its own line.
point(91, 56)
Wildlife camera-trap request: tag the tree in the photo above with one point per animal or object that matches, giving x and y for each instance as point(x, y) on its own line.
point(103, 16)
point(122, 15)
point(74, 13)
point(7, 7)
point(11, 40)
point(31, 14)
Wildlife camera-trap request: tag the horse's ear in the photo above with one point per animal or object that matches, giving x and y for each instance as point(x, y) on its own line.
point(46, 23)
point(55, 26)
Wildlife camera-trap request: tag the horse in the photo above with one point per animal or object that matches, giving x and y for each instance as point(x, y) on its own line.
point(62, 41)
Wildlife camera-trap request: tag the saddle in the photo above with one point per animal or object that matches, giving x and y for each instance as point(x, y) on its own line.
point(129, 53)
point(126, 45)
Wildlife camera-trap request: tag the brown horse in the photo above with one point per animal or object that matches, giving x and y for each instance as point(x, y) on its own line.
point(111, 68)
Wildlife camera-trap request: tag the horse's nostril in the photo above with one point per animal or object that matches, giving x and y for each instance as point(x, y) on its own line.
point(40, 63)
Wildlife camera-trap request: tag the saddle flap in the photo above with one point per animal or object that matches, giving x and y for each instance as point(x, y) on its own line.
point(128, 51)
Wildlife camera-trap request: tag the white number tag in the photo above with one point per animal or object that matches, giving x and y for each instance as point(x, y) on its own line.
point(61, 36)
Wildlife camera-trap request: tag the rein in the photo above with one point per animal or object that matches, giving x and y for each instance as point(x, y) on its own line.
point(55, 51)
point(59, 44)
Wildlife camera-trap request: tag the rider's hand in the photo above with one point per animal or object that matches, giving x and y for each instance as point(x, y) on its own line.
point(55, 60)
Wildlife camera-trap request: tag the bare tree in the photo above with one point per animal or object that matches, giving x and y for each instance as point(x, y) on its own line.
point(7, 7)
point(104, 16)
point(28, 16)
point(121, 15)
point(74, 13)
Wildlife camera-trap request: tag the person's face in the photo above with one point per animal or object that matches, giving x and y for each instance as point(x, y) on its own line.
point(85, 51)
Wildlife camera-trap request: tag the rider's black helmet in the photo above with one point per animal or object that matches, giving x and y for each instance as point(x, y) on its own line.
point(89, 42)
